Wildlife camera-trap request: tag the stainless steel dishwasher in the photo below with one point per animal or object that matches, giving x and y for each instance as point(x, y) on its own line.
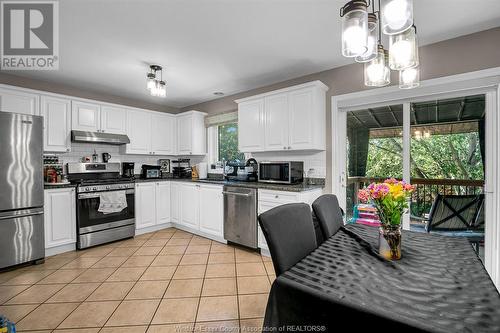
point(240, 215)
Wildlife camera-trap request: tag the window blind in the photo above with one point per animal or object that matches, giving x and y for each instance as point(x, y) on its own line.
point(221, 118)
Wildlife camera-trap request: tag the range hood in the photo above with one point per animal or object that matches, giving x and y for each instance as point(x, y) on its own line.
point(96, 137)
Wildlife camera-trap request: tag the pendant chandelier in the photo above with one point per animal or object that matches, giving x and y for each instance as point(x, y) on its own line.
point(362, 40)
point(155, 83)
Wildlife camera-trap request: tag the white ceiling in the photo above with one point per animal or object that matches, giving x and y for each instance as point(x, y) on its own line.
point(221, 45)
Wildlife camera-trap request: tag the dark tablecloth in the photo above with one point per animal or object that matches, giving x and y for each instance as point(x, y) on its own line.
point(439, 285)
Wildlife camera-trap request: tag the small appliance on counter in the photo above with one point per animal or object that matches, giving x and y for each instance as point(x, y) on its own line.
point(164, 167)
point(128, 170)
point(194, 172)
point(106, 157)
point(242, 171)
point(150, 171)
point(290, 172)
point(202, 170)
point(181, 168)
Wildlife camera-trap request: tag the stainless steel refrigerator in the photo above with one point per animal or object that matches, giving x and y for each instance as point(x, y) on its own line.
point(21, 189)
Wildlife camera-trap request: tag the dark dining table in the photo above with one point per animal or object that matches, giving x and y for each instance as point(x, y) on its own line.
point(439, 285)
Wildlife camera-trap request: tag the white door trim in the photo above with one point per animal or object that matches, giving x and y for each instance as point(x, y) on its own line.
point(480, 82)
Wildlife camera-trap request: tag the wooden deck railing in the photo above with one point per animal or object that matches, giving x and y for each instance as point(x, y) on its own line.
point(425, 190)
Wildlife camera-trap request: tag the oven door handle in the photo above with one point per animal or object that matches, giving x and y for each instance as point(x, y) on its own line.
point(97, 194)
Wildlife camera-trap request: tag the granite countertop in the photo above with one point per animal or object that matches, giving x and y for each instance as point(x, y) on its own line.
point(264, 186)
point(57, 185)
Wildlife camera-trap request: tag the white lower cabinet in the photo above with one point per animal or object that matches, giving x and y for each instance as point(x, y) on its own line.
point(198, 208)
point(269, 199)
point(60, 217)
point(152, 204)
point(145, 205)
point(190, 205)
point(212, 210)
point(174, 202)
point(163, 212)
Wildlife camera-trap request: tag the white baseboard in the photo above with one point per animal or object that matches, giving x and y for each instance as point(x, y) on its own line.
point(200, 233)
point(153, 228)
point(265, 252)
point(52, 251)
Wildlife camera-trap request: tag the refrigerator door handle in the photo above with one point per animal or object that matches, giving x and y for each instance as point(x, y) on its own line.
point(19, 214)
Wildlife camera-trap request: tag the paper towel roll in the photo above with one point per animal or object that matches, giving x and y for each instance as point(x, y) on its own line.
point(202, 170)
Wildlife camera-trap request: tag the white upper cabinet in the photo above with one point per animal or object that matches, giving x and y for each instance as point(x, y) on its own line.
point(139, 132)
point(13, 100)
point(294, 119)
point(56, 114)
point(98, 118)
point(85, 116)
point(163, 134)
point(113, 120)
point(156, 133)
point(191, 133)
point(276, 122)
point(251, 126)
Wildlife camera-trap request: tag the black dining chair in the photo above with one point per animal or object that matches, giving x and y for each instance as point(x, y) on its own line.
point(329, 214)
point(459, 216)
point(289, 233)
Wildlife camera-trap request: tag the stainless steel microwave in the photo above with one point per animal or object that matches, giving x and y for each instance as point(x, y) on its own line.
point(281, 172)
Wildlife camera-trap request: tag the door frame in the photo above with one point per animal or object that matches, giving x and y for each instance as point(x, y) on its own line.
point(485, 82)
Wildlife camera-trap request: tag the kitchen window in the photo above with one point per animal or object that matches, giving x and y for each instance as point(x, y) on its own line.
point(227, 143)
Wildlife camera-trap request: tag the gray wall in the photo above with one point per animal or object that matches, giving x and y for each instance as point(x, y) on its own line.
point(459, 55)
point(76, 92)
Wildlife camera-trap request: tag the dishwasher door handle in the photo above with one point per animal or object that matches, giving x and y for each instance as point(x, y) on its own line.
point(237, 194)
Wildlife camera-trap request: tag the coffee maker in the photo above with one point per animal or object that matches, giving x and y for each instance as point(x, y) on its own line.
point(128, 169)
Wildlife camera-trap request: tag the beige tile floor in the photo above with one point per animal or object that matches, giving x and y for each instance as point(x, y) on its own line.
point(166, 281)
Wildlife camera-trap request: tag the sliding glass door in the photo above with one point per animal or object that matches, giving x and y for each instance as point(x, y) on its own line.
point(436, 145)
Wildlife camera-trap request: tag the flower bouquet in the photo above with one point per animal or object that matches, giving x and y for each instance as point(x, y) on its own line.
point(391, 201)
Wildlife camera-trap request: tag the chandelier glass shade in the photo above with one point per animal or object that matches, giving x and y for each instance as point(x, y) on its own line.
point(354, 28)
point(397, 16)
point(403, 50)
point(409, 78)
point(377, 72)
point(372, 40)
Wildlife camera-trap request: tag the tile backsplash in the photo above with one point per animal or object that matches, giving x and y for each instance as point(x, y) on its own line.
point(314, 162)
point(80, 150)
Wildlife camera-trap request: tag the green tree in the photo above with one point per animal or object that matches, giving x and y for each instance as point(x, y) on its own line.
point(228, 143)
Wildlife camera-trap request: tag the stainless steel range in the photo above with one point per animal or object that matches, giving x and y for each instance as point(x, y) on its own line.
point(105, 203)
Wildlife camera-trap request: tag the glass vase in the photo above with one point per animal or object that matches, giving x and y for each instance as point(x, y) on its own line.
point(389, 242)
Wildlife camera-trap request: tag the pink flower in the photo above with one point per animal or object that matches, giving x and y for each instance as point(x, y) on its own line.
point(363, 196)
point(391, 181)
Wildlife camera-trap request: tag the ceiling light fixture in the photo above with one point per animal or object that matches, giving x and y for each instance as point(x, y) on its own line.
point(403, 49)
point(218, 93)
point(362, 40)
point(354, 28)
point(154, 81)
point(397, 16)
point(409, 78)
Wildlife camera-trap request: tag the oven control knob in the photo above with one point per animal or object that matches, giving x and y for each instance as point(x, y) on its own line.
point(94, 188)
